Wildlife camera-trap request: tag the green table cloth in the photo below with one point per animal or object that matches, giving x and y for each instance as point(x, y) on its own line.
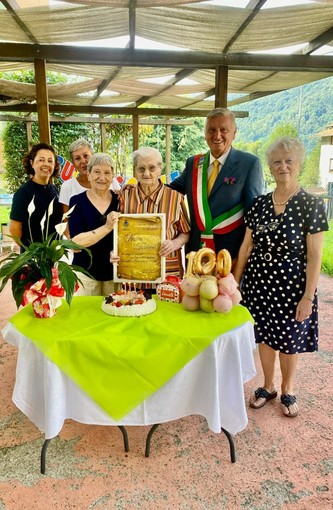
point(119, 362)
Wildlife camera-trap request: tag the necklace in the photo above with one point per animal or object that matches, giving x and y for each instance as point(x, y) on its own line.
point(283, 203)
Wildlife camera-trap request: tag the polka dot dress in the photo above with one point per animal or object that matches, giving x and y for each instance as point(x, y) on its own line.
point(274, 278)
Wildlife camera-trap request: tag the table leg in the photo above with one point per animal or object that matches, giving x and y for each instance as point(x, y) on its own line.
point(43, 456)
point(149, 436)
point(231, 444)
point(47, 441)
point(125, 436)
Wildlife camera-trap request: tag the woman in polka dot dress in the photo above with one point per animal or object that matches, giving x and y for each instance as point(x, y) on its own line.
point(280, 260)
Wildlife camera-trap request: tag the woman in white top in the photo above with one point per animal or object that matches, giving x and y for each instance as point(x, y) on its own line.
point(81, 151)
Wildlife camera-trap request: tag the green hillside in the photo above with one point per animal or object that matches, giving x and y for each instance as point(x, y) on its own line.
point(308, 108)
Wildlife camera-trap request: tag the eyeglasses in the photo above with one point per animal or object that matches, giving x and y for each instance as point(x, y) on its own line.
point(270, 226)
point(151, 169)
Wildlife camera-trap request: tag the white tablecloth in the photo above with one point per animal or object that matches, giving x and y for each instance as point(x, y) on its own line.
point(210, 385)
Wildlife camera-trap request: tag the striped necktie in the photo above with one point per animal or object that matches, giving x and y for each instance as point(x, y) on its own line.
point(213, 175)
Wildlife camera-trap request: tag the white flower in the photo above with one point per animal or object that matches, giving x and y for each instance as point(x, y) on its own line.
point(68, 213)
point(50, 209)
point(60, 228)
point(42, 223)
point(31, 206)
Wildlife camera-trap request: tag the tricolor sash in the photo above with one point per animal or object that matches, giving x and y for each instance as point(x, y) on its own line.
point(209, 226)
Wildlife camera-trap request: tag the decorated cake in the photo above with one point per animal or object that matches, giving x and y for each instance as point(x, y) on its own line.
point(129, 303)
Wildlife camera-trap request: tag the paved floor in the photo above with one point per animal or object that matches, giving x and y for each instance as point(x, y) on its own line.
point(281, 463)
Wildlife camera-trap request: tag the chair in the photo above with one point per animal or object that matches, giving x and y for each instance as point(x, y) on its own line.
point(5, 240)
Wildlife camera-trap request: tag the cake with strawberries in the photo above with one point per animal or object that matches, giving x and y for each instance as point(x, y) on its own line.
point(129, 303)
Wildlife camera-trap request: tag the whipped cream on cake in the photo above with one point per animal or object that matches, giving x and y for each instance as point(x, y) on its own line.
point(129, 303)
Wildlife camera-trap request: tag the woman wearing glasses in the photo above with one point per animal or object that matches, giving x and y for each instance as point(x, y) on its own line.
point(91, 225)
point(151, 196)
point(279, 265)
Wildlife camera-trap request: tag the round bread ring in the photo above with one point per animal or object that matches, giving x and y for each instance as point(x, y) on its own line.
point(207, 267)
point(223, 263)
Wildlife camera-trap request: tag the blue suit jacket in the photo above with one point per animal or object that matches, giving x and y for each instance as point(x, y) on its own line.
point(246, 169)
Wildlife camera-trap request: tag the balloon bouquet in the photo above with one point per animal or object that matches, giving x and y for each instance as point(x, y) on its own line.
point(208, 283)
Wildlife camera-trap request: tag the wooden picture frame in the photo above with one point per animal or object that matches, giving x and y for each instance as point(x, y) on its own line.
point(137, 241)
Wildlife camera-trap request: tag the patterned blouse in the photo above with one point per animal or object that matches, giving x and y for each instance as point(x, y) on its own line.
point(162, 200)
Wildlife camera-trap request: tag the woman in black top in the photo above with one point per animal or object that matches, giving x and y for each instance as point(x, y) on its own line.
point(32, 200)
point(91, 224)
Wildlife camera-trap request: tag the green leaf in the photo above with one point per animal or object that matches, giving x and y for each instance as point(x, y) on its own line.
point(68, 279)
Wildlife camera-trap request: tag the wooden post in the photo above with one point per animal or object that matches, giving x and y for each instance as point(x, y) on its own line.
point(103, 137)
point(42, 101)
point(221, 87)
point(28, 126)
point(135, 133)
point(167, 152)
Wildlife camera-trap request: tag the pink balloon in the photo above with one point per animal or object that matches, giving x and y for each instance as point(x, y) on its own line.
point(191, 303)
point(236, 297)
point(222, 304)
point(191, 286)
point(227, 285)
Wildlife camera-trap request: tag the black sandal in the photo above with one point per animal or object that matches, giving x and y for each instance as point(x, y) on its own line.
point(262, 393)
point(287, 401)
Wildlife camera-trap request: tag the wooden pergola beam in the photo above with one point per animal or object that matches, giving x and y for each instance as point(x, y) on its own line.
point(111, 110)
point(132, 22)
point(318, 42)
point(221, 87)
point(177, 78)
point(99, 120)
point(42, 101)
point(256, 6)
point(11, 5)
point(125, 57)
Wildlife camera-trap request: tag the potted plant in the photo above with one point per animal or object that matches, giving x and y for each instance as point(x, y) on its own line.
point(40, 274)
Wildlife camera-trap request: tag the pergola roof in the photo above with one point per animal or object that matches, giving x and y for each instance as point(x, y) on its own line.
point(219, 43)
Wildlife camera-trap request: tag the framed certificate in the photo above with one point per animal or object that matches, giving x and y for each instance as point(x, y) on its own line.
point(137, 241)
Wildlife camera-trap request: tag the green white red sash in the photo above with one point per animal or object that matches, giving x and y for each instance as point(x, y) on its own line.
point(226, 222)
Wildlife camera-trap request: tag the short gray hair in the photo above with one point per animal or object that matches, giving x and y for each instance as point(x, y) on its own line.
point(288, 143)
point(146, 152)
point(221, 112)
point(80, 142)
point(100, 158)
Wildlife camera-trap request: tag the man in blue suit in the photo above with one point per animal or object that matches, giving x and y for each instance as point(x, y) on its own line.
point(220, 193)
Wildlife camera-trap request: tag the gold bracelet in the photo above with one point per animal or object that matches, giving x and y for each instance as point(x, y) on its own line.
point(309, 296)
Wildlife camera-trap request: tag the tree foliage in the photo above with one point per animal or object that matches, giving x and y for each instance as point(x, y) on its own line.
point(119, 145)
point(309, 108)
point(29, 77)
point(15, 145)
point(309, 176)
